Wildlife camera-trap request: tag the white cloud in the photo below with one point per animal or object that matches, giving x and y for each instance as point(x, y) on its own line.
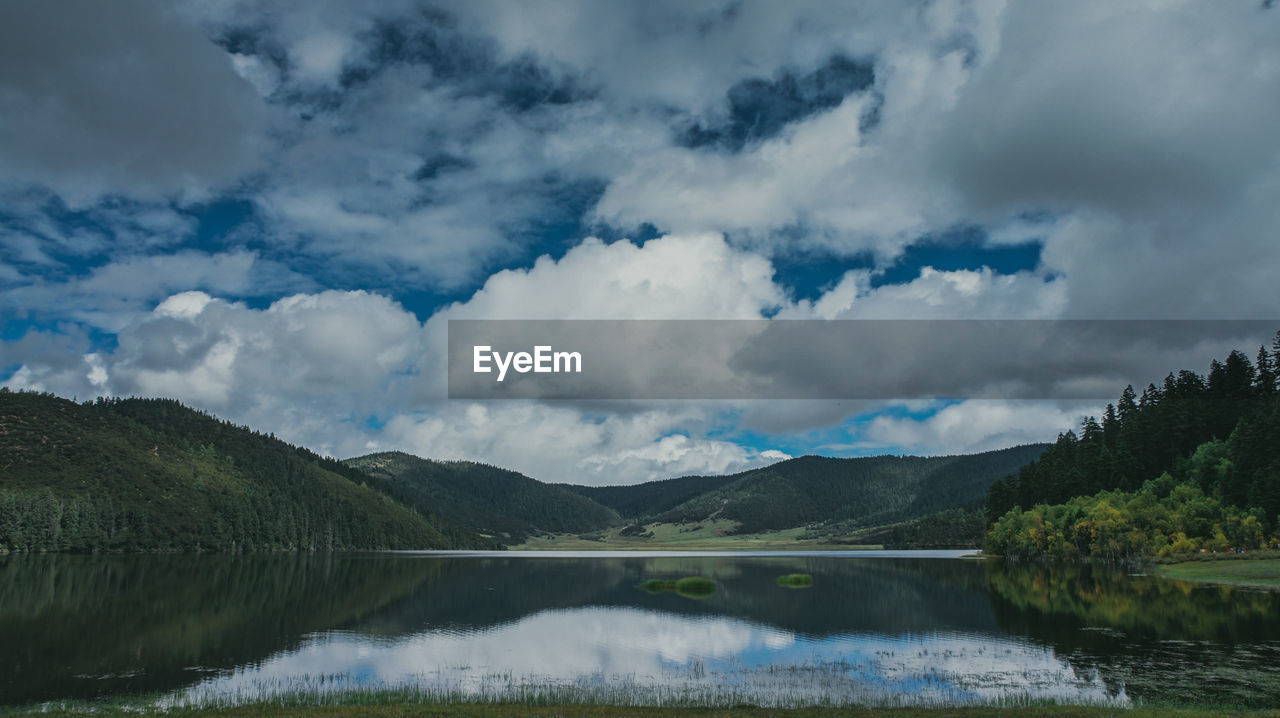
point(976, 425)
point(564, 444)
point(696, 276)
point(936, 294)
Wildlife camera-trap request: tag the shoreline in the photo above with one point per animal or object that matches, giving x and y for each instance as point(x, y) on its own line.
point(1262, 572)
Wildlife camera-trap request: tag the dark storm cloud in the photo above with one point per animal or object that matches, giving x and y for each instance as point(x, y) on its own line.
point(1132, 113)
point(469, 65)
point(759, 109)
point(118, 98)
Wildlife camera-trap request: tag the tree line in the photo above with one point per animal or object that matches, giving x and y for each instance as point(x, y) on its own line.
point(1193, 463)
point(154, 475)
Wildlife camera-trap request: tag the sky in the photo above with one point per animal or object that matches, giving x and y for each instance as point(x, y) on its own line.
point(271, 211)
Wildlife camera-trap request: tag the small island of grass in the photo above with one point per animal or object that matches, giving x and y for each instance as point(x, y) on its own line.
point(689, 587)
point(796, 580)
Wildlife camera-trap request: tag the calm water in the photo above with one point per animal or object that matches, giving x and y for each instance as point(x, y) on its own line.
point(874, 629)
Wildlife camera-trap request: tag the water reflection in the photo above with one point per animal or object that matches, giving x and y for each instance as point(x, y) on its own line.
point(870, 630)
point(634, 655)
point(1166, 640)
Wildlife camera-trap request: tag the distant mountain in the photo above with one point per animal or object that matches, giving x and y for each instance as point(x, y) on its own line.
point(496, 502)
point(152, 474)
point(652, 497)
point(840, 495)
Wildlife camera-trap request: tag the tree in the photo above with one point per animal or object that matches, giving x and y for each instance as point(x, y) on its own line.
point(1128, 405)
point(1265, 384)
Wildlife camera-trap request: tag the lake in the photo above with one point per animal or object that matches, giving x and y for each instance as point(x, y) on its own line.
point(879, 628)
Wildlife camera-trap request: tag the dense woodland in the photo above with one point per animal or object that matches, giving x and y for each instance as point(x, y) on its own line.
point(1191, 464)
point(953, 528)
point(135, 474)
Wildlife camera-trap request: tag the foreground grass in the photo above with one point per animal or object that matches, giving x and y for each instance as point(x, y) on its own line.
point(1262, 573)
point(704, 536)
point(505, 710)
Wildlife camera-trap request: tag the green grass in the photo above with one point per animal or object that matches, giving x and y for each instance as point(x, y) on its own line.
point(695, 587)
point(796, 580)
point(1263, 572)
point(703, 536)
point(513, 710)
point(689, 587)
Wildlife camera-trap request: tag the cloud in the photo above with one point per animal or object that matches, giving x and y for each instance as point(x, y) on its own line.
point(303, 348)
point(565, 444)
point(111, 296)
point(52, 360)
point(1147, 138)
point(120, 99)
point(1131, 119)
point(935, 294)
point(695, 276)
point(976, 425)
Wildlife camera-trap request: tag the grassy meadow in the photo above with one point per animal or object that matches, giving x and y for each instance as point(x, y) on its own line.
point(704, 536)
point(1263, 573)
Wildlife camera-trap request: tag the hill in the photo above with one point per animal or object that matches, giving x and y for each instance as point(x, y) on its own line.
point(652, 497)
point(832, 495)
point(152, 474)
point(492, 501)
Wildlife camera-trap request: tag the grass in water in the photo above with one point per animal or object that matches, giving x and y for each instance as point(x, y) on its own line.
point(689, 587)
point(796, 580)
point(695, 587)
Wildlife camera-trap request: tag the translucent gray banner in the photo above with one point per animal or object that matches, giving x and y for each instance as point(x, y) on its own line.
point(816, 359)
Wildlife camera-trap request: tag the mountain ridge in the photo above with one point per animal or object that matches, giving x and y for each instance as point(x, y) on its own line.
point(153, 474)
point(832, 492)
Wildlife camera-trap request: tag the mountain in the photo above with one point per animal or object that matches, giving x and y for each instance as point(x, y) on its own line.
point(840, 495)
point(152, 474)
point(495, 502)
point(652, 497)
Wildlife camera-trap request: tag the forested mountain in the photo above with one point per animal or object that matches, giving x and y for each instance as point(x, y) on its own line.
point(839, 494)
point(1194, 463)
point(496, 502)
point(652, 497)
point(151, 474)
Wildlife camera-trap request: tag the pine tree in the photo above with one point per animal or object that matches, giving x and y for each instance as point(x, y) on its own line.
point(1265, 384)
point(1110, 425)
point(1128, 404)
